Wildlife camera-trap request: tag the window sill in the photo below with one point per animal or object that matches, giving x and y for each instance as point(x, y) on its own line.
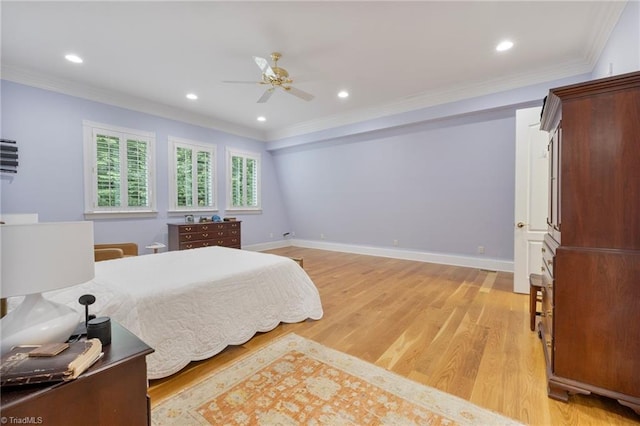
point(120, 214)
point(192, 211)
point(243, 211)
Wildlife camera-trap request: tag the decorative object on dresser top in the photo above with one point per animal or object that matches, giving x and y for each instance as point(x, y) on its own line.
point(190, 304)
point(39, 257)
point(590, 281)
point(113, 391)
point(297, 381)
point(188, 236)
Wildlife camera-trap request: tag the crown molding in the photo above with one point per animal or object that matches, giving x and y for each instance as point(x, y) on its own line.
point(123, 100)
point(608, 15)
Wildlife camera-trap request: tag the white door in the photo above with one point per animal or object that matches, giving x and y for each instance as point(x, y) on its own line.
point(531, 198)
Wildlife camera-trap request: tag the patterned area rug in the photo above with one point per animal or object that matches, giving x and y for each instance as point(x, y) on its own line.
point(295, 381)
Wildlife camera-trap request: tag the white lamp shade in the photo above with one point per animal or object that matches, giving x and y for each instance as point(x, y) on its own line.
point(41, 257)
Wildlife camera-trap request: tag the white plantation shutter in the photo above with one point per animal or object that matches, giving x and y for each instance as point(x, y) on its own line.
point(184, 176)
point(205, 179)
point(252, 182)
point(237, 179)
point(243, 180)
point(107, 169)
point(118, 170)
point(192, 185)
point(137, 173)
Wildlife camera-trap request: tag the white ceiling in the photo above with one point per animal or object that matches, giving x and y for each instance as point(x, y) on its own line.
point(391, 56)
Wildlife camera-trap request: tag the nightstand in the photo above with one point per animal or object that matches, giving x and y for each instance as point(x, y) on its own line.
point(112, 392)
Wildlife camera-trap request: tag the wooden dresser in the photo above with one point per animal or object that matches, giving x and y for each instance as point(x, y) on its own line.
point(183, 236)
point(590, 320)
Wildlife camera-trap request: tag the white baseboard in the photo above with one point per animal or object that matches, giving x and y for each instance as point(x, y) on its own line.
point(418, 256)
point(268, 246)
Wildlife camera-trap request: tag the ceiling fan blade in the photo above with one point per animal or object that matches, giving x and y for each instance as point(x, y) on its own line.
point(266, 95)
point(264, 66)
point(299, 93)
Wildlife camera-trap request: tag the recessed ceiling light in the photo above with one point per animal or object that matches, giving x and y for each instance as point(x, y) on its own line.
point(192, 96)
point(504, 45)
point(73, 58)
point(261, 118)
point(343, 94)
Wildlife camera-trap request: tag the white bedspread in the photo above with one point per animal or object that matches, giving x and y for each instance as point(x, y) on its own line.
point(189, 305)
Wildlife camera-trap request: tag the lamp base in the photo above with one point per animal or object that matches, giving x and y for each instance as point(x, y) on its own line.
point(37, 321)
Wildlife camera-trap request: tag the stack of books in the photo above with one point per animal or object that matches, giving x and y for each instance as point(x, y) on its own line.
point(54, 362)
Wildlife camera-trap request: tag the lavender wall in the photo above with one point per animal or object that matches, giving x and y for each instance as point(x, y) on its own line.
point(443, 187)
point(48, 128)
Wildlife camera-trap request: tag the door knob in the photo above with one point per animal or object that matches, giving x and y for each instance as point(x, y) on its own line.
point(520, 224)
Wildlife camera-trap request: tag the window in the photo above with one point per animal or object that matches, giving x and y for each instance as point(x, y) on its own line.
point(243, 181)
point(193, 175)
point(119, 171)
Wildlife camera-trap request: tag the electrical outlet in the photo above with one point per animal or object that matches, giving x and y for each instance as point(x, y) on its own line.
point(480, 249)
point(293, 234)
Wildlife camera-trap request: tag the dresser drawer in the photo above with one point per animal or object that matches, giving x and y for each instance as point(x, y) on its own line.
point(233, 242)
point(233, 225)
point(225, 225)
point(196, 236)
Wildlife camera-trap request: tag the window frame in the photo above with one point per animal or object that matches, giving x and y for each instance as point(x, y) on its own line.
point(91, 208)
point(230, 153)
point(173, 144)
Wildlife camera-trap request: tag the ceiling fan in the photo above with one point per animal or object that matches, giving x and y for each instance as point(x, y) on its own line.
point(274, 76)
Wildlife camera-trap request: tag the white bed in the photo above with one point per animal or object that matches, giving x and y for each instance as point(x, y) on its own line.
point(189, 305)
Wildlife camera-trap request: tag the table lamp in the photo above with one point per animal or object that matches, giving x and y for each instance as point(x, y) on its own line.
point(36, 258)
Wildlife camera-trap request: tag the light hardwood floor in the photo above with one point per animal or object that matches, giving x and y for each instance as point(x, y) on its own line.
point(460, 330)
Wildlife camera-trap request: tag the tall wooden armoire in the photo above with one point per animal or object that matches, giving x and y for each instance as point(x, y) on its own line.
point(590, 323)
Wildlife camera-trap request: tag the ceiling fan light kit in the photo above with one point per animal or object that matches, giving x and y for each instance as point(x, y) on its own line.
point(275, 76)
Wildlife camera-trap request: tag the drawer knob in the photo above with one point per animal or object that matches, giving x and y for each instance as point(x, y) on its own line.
point(544, 250)
point(188, 237)
point(205, 227)
point(549, 262)
point(205, 235)
point(542, 268)
point(188, 228)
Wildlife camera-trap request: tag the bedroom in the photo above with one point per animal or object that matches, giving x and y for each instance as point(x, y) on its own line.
point(468, 206)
